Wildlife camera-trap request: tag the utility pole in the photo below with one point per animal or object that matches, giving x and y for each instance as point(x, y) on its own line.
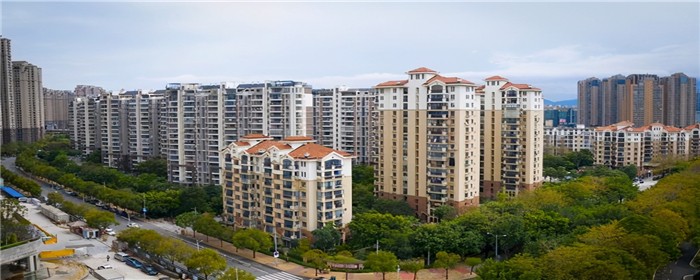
point(377, 246)
point(497, 235)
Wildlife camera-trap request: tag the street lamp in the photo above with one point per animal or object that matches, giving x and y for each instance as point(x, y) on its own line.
point(398, 271)
point(497, 235)
point(144, 205)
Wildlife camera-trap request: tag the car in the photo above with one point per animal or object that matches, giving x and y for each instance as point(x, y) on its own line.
point(134, 225)
point(110, 231)
point(104, 266)
point(133, 262)
point(149, 270)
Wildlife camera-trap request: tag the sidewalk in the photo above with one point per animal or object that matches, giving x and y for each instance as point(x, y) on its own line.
point(461, 272)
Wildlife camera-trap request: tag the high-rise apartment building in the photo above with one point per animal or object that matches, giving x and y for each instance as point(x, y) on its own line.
point(428, 142)
point(84, 124)
point(289, 187)
point(342, 120)
point(562, 140)
point(590, 102)
point(8, 124)
point(647, 101)
point(89, 91)
point(555, 116)
point(512, 135)
point(679, 99)
point(29, 101)
point(56, 103)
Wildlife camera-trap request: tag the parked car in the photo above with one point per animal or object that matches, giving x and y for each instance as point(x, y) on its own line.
point(104, 266)
point(134, 225)
point(133, 263)
point(149, 270)
point(110, 231)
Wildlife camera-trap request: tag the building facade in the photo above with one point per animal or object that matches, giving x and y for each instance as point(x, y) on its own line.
point(428, 142)
point(679, 99)
point(342, 120)
point(512, 137)
point(289, 187)
point(562, 140)
point(56, 103)
point(84, 124)
point(8, 124)
point(29, 101)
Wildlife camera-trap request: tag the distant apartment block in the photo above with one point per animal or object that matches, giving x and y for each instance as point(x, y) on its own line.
point(342, 120)
point(56, 103)
point(289, 187)
point(89, 91)
point(8, 123)
point(638, 98)
point(512, 135)
point(623, 144)
point(562, 140)
point(555, 116)
point(428, 142)
point(29, 101)
point(84, 124)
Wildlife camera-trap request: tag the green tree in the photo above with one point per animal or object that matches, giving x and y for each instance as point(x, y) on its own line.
point(236, 274)
point(521, 267)
point(391, 231)
point(472, 262)
point(206, 261)
point(54, 198)
point(580, 158)
point(316, 258)
point(326, 238)
point(382, 261)
point(363, 174)
point(206, 224)
point(445, 212)
point(156, 166)
point(187, 220)
point(173, 249)
point(412, 266)
point(253, 239)
point(99, 219)
point(447, 261)
point(630, 171)
point(393, 207)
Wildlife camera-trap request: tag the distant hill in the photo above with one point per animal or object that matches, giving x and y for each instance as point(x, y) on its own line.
point(569, 103)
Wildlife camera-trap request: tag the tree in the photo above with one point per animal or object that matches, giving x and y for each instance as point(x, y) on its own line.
point(412, 266)
point(630, 171)
point(382, 261)
point(206, 261)
point(206, 224)
point(521, 267)
point(393, 207)
point(236, 274)
point(173, 249)
point(156, 166)
point(54, 198)
point(447, 261)
point(392, 231)
point(316, 258)
point(445, 212)
point(99, 219)
point(326, 238)
point(187, 220)
point(253, 239)
point(9, 208)
point(580, 158)
point(472, 262)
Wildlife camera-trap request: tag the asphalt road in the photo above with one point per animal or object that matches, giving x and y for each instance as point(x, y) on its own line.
point(680, 268)
point(239, 262)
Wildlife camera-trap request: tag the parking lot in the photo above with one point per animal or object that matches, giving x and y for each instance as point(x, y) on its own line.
point(90, 252)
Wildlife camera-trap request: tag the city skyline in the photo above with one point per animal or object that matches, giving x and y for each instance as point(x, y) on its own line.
point(550, 45)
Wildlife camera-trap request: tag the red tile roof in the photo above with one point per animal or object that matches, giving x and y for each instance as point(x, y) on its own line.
point(520, 86)
point(495, 78)
point(693, 126)
point(393, 83)
point(448, 80)
point(241, 143)
point(267, 144)
point(298, 138)
point(314, 151)
point(255, 136)
point(421, 70)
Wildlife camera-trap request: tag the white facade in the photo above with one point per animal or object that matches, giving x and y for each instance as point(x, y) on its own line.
point(84, 124)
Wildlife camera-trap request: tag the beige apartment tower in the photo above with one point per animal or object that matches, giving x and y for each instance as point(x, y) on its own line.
point(512, 137)
point(428, 142)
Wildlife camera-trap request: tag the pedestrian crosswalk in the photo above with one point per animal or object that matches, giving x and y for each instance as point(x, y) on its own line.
point(279, 276)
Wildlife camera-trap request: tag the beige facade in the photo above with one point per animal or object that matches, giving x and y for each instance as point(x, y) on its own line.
point(623, 144)
point(8, 124)
point(289, 187)
point(512, 137)
point(56, 103)
point(84, 124)
point(29, 101)
point(428, 142)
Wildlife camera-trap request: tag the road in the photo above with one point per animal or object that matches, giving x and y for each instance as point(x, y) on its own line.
point(257, 269)
point(680, 268)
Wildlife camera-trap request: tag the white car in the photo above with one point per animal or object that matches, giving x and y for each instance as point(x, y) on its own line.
point(104, 266)
point(110, 231)
point(134, 225)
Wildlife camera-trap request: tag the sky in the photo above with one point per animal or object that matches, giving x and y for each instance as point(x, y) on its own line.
point(550, 45)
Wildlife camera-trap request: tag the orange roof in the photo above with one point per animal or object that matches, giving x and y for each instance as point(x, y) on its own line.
point(672, 129)
point(422, 70)
point(480, 89)
point(393, 83)
point(255, 136)
point(495, 78)
point(314, 151)
point(267, 144)
point(298, 138)
point(693, 126)
point(638, 129)
point(241, 143)
point(448, 80)
point(520, 86)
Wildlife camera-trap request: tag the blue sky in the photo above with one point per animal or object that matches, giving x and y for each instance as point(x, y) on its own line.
point(551, 45)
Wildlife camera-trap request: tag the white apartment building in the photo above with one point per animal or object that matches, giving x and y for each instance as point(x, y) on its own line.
point(512, 137)
point(562, 140)
point(289, 187)
point(342, 119)
point(84, 124)
point(428, 142)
